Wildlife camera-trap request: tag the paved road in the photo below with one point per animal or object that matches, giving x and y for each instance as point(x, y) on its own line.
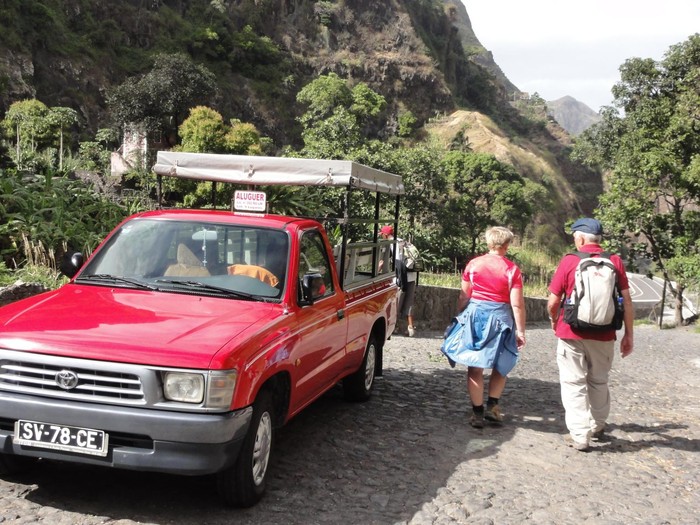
point(647, 294)
point(408, 456)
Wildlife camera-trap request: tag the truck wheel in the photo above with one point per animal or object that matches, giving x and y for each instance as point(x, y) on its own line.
point(358, 386)
point(243, 484)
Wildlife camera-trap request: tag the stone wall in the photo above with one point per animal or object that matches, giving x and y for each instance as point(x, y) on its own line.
point(436, 306)
point(19, 290)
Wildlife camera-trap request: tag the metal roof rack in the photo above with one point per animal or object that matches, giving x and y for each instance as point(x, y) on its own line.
point(290, 171)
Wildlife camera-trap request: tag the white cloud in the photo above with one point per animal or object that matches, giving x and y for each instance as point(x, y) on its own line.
point(559, 48)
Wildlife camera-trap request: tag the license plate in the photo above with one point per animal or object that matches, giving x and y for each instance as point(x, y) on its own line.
point(61, 437)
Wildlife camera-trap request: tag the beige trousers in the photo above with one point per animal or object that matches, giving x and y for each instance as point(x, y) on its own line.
point(584, 367)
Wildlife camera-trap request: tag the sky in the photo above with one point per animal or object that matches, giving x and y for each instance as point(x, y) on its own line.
point(557, 47)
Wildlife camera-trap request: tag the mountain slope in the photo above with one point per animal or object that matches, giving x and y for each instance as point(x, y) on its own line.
point(474, 50)
point(574, 116)
point(541, 157)
point(422, 56)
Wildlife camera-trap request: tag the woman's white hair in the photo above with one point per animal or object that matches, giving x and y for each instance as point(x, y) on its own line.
point(498, 236)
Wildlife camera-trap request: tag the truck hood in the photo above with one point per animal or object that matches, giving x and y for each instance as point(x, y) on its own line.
point(133, 326)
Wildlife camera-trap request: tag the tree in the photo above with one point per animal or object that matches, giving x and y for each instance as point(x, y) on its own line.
point(27, 121)
point(425, 183)
point(159, 100)
point(243, 138)
point(651, 153)
point(483, 192)
point(322, 96)
point(61, 118)
point(203, 131)
point(338, 119)
point(406, 124)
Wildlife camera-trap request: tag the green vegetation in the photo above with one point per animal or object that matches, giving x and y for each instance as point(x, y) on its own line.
point(341, 121)
point(51, 211)
point(537, 267)
point(40, 267)
point(185, 73)
point(158, 101)
point(652, 152)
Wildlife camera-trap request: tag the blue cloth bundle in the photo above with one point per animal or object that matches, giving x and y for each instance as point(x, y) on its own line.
point(483, 336)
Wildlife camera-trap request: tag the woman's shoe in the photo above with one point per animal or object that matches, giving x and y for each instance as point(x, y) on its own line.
point(494, 414)
point(477, 421)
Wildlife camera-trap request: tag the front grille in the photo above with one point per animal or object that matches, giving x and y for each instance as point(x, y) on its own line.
point(35, 377)
point(91, 381)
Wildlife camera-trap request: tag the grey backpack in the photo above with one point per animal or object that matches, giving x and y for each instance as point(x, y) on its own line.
point(595, 302)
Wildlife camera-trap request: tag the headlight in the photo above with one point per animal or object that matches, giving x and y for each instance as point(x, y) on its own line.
point(190, 387)
point(185, 387)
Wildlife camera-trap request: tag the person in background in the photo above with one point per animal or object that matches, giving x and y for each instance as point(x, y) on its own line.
point(492, 292)
point(407, 281)
point(585, 357)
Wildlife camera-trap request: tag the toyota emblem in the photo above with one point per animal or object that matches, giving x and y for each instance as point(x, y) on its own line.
point(67, 379)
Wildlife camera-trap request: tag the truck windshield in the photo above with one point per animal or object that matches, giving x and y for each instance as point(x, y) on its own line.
point(193, 257)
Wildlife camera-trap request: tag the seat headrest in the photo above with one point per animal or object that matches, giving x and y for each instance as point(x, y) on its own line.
point(185, 256)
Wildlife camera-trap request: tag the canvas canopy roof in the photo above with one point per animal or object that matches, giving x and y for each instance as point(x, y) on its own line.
point(246, 169)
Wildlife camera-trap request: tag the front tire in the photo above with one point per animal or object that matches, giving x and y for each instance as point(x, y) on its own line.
point(358, 386)
point(244, 483)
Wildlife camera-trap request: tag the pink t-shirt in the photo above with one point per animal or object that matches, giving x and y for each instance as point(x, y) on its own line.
point(492, 278)
point(563, 284)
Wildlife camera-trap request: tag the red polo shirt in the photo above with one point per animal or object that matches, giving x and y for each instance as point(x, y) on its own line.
point(563, 284)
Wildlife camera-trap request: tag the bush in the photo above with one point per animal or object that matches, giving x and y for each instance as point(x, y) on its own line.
point(54, 212)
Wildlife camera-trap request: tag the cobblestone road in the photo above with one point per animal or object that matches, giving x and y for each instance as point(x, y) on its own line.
point(408, 456)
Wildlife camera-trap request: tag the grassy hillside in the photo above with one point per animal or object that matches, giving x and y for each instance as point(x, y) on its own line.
point(541, 156)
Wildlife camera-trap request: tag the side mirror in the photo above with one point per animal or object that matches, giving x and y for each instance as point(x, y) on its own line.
point(71, 262)
point(312, 287)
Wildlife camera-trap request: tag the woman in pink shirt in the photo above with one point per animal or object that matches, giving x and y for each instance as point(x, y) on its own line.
point(492, 324)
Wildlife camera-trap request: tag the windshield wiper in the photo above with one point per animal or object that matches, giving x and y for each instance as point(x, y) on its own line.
point(105, 277)
point(198, 285)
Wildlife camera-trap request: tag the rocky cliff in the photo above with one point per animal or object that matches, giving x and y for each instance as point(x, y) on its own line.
point(422, 55)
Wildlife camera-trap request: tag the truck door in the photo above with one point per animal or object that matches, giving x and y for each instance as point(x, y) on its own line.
point(320, 348)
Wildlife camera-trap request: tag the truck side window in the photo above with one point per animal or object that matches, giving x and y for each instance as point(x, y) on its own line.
point(313, 258)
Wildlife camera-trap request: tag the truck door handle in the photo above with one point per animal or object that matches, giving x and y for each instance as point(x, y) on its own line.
point(341, 314)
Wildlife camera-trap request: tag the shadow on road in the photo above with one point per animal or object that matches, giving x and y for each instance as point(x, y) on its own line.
point(337, 462)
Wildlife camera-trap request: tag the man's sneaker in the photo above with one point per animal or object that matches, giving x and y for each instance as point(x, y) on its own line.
point(598, 434)
point(582, 447)
point(411, 331)
point(477, 420)
point(493, 414)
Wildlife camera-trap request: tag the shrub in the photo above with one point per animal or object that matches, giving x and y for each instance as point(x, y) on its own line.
point(54, 212)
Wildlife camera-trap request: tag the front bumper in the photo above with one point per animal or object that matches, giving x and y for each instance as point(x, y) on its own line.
point(140, 439)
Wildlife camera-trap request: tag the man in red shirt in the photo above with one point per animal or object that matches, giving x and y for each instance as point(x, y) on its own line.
point(585, 357)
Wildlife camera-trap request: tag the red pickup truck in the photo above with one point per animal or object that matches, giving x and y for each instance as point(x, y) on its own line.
point(189, 336)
